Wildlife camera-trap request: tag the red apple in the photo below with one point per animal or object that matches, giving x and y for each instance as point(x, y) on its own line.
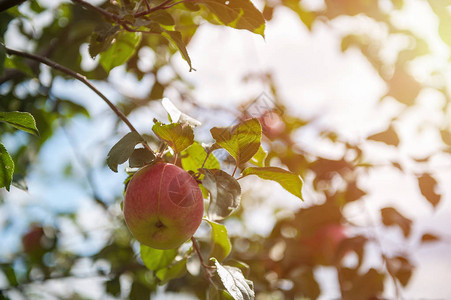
point(163, 206)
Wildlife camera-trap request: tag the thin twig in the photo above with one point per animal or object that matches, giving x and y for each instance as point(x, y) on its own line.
point(81, 78)
point(205, 160)
point(206, 267)
point(151, 10)
point(99, 10)
point(174, 4)
point(147, 5)
point(234, 170)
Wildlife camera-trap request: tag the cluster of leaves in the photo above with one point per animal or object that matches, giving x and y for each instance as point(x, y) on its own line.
point(243, 143)
point(280, 265)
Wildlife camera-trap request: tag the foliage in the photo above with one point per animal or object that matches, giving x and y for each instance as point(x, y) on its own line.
point(218, 265)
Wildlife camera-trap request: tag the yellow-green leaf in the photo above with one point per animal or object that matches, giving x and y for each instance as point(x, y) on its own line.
point(288, 180)
point(178, 136)
point(175, 270)
point(241, 141)
point(259, 158)
point(194, 156)
point(221, 243)
point(121, 50)
point(156, 259)
point(239, 14)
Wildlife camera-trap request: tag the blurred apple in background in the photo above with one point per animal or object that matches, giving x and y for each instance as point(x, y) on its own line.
point(272, 124)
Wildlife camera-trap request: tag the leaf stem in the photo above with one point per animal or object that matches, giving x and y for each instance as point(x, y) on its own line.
point(100, 10)
point(81, 78)
point(234, 170)
point(174, 4)
point(206, 267)
point(205, 160)
point(151, 10)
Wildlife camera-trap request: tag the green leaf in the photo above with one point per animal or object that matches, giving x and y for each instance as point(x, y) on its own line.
point(194, 156)
point(10, 274)
point(241, 141)
point(157, 91)
point(121, 50)
point(113, 286)
point(429, 237)
point(389, 137)
point(20, 120)
point(428, 187)
point(175, 270)
point(218, 293)
point(259, 158)
point(122, 150)
point(71, 109)
point(178, 136)
point(177, 39)
point(34, 5)
point(162, 17)
point(140, 157)
point(234, 282)
point(17, 63)
point(6, 168)
point(139, 291)
point(102, 39)
point(156, 259)
point(239, 14)
point(225, 193)
point(392, 217)
point(221, 243)
point(288, 180)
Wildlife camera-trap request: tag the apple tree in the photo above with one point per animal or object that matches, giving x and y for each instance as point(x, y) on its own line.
point(179, 222)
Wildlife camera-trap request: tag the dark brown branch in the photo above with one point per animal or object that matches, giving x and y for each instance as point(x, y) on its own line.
point(147, 5)
point(5, 4)
point(81, 78)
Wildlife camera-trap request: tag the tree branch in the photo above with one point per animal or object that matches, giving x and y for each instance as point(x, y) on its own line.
point(81, 78)
point(5, 4)
point(99, 10)
point(202, 262)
